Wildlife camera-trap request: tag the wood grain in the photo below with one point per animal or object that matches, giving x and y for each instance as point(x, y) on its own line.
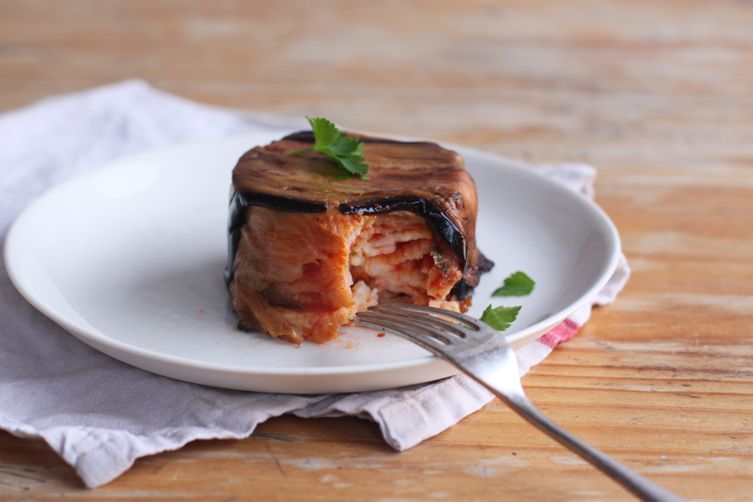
point(657, 95)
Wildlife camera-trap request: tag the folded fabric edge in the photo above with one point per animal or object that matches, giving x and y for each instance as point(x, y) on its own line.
point(95, 466)
point(116, 454)
point(430, 413)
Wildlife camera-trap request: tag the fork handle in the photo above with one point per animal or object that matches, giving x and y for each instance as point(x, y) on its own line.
point(630, 480)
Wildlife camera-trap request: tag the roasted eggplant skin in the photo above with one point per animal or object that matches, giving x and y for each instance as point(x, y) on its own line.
point(416, 176)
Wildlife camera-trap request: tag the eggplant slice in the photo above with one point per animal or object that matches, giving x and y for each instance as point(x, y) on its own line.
point(307, 250)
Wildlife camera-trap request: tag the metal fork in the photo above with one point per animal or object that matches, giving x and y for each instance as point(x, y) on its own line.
point(484, 355)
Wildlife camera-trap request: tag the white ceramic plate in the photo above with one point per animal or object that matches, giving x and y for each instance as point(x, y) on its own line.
point(129, 259)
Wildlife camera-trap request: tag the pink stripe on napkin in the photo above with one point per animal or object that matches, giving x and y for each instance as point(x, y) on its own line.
point(560, 333)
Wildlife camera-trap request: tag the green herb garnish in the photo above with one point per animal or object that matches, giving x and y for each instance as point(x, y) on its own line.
point(343, 150)
point(500, 318)
point(517, 284)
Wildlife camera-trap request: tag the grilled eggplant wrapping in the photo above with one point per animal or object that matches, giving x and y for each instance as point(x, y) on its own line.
point(308, 249)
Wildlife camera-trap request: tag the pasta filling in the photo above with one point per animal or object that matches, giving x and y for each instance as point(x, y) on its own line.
point(397, 258)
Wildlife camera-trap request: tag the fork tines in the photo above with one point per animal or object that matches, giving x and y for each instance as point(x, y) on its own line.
point(431, 327)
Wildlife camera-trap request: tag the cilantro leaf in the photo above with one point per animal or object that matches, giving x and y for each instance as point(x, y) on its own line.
point(517, 284)
point(345, 151)
point(500, 318)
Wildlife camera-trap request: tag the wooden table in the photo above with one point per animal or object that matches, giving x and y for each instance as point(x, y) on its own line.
point(657, 95)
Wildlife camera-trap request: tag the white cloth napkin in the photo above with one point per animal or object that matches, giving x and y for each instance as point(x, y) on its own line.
point(99, 414)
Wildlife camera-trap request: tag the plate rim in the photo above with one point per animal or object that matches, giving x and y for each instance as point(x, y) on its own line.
point(95, 338)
